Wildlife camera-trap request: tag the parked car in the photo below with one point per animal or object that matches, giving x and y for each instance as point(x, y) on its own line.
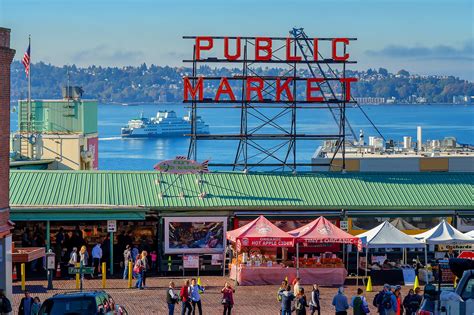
point(82, 303)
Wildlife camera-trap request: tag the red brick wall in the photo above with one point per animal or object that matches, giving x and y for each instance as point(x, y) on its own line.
point(6, 57)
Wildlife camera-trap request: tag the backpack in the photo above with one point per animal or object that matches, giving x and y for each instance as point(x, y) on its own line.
point(5, 306)
point(376, 301)
point(298, 305)
point(357, 303)
point(387, 301)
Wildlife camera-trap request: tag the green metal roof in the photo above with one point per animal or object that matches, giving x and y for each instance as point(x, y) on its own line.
point(259, 191)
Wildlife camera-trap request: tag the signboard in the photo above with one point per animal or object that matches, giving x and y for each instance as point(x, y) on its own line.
point(93, 146)
point(445, 248)
point(344, 225)
point(79, 270)
point(50, 261)
point(195, 235)
point(466, 255)
point(268, 241)
point(181, 165)
point(216, 259)
point(191, 261)
point(111, 226)
point(409, 276)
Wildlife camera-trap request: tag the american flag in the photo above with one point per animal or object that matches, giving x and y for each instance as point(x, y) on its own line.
point(26, 61)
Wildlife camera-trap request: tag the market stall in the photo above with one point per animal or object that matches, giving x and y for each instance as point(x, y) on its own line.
point(470, 234)
point(443, 234)
point(326, 269)
point(385, 235)
point(255, 246)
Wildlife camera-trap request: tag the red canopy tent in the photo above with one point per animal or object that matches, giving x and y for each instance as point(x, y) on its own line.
point(260, 232)
point(322, 230)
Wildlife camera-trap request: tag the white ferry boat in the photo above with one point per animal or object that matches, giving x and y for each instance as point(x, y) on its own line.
point(165, 124)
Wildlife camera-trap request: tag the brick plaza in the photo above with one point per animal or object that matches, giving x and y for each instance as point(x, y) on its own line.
point(248, 300)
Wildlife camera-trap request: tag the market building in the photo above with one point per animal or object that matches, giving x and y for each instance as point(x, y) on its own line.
point(179, 214)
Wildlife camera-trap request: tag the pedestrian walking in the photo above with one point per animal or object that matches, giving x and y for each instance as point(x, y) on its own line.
point(286, 298)
point(185, 300)
point(171, 298)
point(314, 304)
point(398, 296)
point(359, 303)
point(300, 302)
point(26, 304)
point(5, 304)
point(127, 258)
point(379, 298)
point(73, 257)
point(340, 302)
point(96, 258)
point(194, 293)
point(227, 298)
point(283, 286)
point(388, 302)
point(145, 266)
point(154, 257)
point(36, 306)
point(84, 256)
point(138, 270)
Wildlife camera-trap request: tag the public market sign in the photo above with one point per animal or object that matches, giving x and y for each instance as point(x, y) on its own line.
point(265, 51)
point(182, 165)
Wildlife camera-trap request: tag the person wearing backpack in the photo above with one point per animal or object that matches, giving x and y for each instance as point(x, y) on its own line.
point(389, 303)
point(286, 298)
point(171, 298)
point(359, 303)
point(300, 302)
point(5, 304)
point(379, 297)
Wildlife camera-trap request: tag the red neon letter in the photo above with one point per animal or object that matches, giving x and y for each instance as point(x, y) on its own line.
point(226, 49)
point(257, 88)
point(347, 83)
point(315, 49)
point(334, 49)
point(289, 57)
point(285, 87)
point(267, 48)
point(199, 88)
point(310, 89)
point(200, 46)
point(224, 88)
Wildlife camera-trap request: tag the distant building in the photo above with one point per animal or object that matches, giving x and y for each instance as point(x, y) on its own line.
point(62, 133)
point(379, 156)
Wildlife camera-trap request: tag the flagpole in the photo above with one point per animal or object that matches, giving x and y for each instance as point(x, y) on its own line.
point(28, 121)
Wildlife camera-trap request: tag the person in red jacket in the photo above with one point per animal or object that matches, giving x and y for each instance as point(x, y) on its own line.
point(185, 299)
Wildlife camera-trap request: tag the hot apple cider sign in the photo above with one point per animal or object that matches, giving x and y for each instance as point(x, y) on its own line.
point(250, 86)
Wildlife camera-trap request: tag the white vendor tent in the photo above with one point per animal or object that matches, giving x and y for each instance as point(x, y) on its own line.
point(470, 234)
point(385, 235)
point(444, 233)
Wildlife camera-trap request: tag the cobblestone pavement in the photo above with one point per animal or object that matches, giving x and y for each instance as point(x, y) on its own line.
point(152, 300)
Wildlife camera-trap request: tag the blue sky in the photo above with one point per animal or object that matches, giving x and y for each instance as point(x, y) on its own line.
point(422, 36)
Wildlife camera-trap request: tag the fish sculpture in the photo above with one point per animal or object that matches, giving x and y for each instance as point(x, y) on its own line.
point(182, 165)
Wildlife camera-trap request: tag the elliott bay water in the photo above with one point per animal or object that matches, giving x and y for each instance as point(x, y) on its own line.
point(394, 121)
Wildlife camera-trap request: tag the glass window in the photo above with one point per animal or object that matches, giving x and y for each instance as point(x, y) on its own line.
point(468, 292)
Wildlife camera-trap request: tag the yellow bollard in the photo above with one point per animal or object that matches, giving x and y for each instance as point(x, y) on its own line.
point(104, 272)
point(78, 276)
point(23, 277)
point(130, 267)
